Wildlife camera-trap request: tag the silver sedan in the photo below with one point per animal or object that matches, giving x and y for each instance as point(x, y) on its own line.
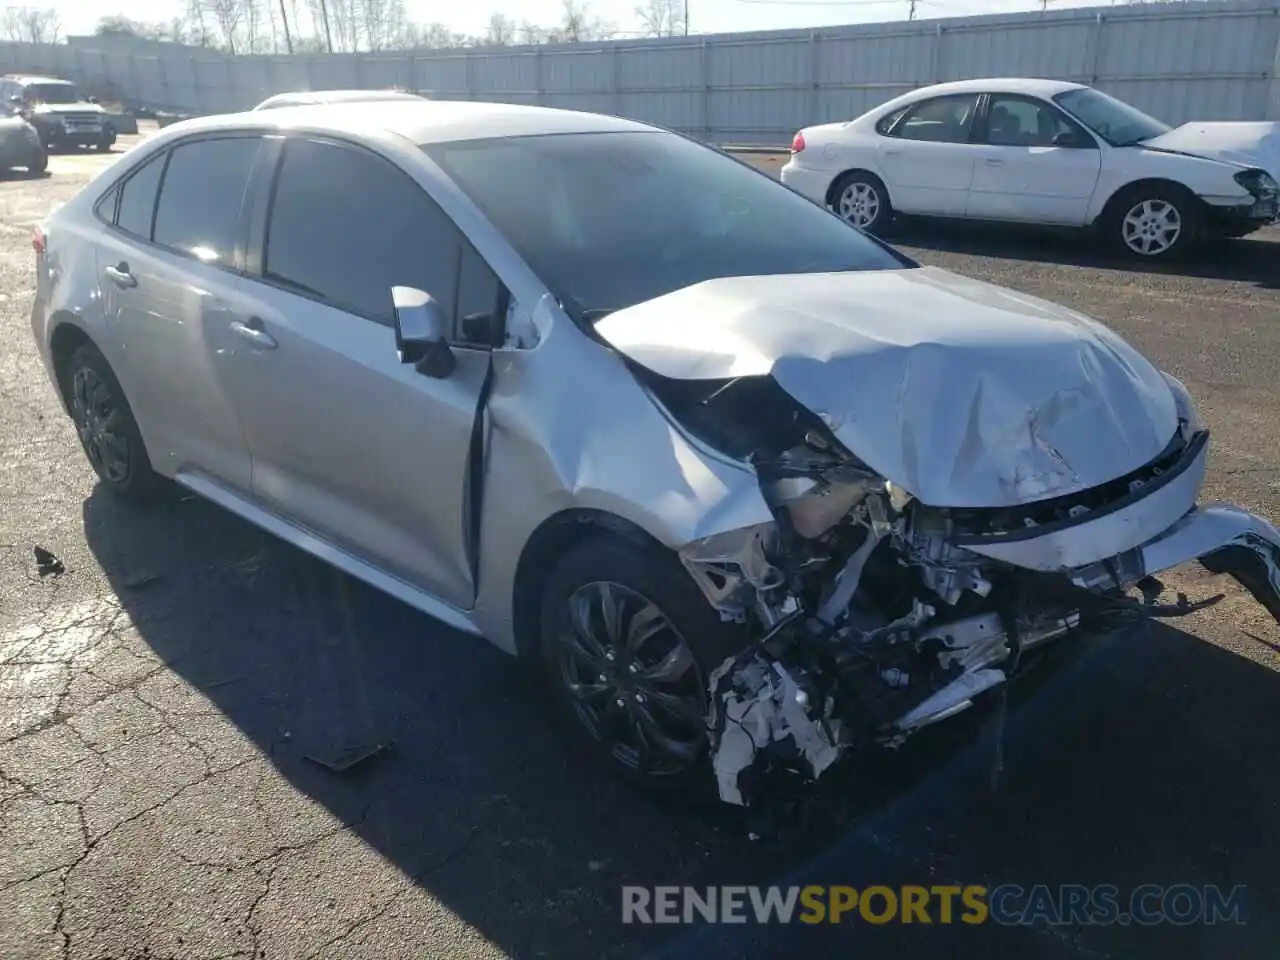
point(747, 486)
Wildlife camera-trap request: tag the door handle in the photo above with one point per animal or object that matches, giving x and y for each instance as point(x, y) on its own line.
point(994, 162)
point(253, 332)
point(120, 275)
point(892, 153)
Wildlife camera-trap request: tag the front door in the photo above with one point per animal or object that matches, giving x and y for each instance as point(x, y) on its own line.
point(346, 440)
point(1022, 174)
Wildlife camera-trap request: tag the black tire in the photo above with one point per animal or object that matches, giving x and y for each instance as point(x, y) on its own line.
point(606, 725)
point(853, 193)
point(38, 165)
point(1144, 216)
point(106, 426)
point(103, 146)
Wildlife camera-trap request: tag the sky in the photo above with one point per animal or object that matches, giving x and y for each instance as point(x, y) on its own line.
point(705, 16)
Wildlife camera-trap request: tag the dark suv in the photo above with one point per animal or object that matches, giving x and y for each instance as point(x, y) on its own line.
point(60, 113)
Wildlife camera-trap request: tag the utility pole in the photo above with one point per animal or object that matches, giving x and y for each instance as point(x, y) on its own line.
point(686, 17)
point(288, 40)
point(911, 10)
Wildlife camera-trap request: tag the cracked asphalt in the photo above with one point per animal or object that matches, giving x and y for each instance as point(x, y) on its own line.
point(163, 702)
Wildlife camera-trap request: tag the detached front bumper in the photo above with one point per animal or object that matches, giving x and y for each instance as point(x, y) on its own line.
point(1225, 539)
point(1242, 218)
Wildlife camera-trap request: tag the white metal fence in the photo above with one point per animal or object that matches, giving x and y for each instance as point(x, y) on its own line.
point(1179, 61)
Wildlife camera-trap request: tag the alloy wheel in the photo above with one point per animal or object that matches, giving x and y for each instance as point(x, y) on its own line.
point(100, 424)
point(859, 203)
point(632, 679)
point(1151, 227)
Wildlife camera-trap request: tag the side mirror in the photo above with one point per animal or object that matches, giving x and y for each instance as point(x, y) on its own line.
point(422, 330)
point(1069, 138)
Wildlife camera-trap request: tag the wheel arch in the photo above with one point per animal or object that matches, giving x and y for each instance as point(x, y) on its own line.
point(1126, 189)
point(550, 539)
point(67, 337)
point(839, 178)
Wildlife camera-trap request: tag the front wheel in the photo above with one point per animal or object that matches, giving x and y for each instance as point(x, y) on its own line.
point(860, 198)
point(627, 644)
point(1153, 223)
point(38, 165)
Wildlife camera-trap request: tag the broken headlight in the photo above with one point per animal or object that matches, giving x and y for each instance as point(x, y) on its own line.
point(1188, 416)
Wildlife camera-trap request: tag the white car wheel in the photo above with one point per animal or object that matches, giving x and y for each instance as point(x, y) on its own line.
point(1152, 227)
point(861, 201)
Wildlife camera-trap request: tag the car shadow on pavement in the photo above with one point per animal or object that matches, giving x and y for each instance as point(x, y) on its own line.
point(1161, 772)
point(1247, 260)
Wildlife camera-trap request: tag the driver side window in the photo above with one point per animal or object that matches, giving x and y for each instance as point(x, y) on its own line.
point(1020, 122)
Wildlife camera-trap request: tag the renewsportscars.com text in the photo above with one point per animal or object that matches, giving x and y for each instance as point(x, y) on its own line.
point(1005, 905)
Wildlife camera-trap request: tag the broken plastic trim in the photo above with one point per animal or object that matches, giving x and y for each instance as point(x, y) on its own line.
point(728, 565)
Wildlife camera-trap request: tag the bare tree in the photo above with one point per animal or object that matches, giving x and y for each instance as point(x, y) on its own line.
point(383, 21)
point(663, 18)
point(501, 32)
point(32, 24)
point(577, 24)
point(227, 15)
point(531, 33)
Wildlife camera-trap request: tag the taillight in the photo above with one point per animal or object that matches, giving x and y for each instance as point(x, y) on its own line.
point(797, 142)
point(37, 241)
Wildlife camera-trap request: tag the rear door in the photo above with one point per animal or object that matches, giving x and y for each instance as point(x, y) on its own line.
point(169, 275)
point(1023, 174)
point(927, 157)
point(346, 440)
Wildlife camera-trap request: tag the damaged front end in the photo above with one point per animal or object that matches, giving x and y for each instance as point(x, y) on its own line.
point(872, 615)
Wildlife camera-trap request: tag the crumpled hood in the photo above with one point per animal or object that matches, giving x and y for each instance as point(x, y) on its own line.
point(1255, 144)
point(961, 392)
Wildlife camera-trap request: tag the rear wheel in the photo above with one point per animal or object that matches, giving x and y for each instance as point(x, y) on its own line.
point(38, 165)
point(1155, 222)
point(860, 198)
point(627, 644)
point(108, 432)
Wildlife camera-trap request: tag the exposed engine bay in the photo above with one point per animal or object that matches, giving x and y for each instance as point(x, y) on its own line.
point(871, 615)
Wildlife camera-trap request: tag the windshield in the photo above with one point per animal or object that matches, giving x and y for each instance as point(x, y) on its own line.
point(1115, 121)
point(53, 93)
point(607, 220)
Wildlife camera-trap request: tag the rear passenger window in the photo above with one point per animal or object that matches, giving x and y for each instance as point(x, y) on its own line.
point(138, 199)
point(347, 226)
point(201, 195)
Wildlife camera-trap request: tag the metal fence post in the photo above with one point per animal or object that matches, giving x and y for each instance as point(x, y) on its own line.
point(1271, 108)
point(165, 97)
point(537, 76)
point(617, 79)
point(935, 54)
point(815, 93)
point(1094, 52)
point(468, 72)
point(706, 89)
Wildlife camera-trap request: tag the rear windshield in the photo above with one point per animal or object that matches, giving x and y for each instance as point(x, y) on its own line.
point(53, 93)
point(607, 220)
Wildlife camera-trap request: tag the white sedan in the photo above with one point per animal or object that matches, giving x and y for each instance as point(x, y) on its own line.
point(1042, 151)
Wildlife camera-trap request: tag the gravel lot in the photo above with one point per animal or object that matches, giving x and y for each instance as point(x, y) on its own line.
point(160, 699)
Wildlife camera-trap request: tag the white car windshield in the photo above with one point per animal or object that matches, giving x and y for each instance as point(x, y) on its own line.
point(607, 220)
point(54, 93)
point(1115, 121)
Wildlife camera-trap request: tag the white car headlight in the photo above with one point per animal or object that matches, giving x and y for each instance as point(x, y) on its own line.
point(1186, 407)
